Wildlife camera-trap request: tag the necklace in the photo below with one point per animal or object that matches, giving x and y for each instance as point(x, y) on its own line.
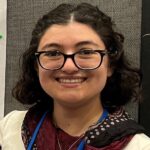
point(60, 147)
point(82, 143)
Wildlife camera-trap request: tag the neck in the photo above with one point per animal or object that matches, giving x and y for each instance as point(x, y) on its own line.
point(76, 121)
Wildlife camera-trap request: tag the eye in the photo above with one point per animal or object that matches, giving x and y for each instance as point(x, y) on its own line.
point(52, 53)
point(86, 52)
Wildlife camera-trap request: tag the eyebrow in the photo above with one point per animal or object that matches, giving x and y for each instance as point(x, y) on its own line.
point(86, 43)
point(82, 43)
point(51, 45)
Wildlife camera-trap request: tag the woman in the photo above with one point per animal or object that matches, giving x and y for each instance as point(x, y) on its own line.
point(76, 75)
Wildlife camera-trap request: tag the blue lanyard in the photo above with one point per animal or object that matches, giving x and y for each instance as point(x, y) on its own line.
point(82, 143)
point(36, 132)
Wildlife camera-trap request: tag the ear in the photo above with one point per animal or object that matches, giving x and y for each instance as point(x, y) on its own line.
point(110, 71)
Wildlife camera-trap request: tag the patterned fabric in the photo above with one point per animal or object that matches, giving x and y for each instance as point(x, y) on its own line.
point(114, 132)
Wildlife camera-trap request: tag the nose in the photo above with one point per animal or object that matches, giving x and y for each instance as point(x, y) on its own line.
point(69, 66)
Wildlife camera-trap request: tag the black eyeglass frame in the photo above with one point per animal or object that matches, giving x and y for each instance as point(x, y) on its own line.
point(102, 53)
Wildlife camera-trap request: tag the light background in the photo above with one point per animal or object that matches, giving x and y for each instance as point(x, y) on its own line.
point(3, 14)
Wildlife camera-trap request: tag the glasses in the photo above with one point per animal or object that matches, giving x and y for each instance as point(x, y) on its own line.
point(84, 59)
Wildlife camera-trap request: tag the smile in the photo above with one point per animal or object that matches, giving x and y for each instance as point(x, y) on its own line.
point(71, 81)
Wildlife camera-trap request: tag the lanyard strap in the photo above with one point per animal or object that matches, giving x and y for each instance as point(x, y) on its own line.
point(82, 143)
point(103, 116)
point(36, 132)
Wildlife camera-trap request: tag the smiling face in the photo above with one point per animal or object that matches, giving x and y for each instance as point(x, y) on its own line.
point(71, 86)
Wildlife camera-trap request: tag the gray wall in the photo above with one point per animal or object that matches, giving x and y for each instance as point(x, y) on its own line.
point(22, 16)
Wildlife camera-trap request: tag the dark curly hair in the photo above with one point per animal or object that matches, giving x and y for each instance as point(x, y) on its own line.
point(121, 87)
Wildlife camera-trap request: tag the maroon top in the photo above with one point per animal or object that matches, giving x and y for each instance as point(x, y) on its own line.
point(113, 133)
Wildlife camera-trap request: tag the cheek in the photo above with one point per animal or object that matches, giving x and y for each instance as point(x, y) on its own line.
point(100, 78)
point(42, 75)
point(101, 81)
point(45, 78)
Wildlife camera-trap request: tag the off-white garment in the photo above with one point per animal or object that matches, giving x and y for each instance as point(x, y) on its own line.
point(10, 134)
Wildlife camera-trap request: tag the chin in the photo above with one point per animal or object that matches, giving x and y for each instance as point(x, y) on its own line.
point(69, 100)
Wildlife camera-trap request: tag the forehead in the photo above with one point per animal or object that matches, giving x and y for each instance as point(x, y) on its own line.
point(70, 33)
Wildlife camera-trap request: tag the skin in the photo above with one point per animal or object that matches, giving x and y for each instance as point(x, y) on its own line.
point(76, 105)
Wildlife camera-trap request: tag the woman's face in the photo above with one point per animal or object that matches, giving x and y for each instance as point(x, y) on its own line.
point(71, 86)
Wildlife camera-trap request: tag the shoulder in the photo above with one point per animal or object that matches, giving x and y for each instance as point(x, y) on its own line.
point(13, 118)
point(10, 130)
point(139, 142)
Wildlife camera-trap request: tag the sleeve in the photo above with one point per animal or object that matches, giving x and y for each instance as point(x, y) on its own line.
point(0, 134)
point(139, 142)
point(0, 139)
point(3, 126)
point(10, 130)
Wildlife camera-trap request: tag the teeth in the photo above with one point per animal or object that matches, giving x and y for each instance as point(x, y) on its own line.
point(71, 80)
